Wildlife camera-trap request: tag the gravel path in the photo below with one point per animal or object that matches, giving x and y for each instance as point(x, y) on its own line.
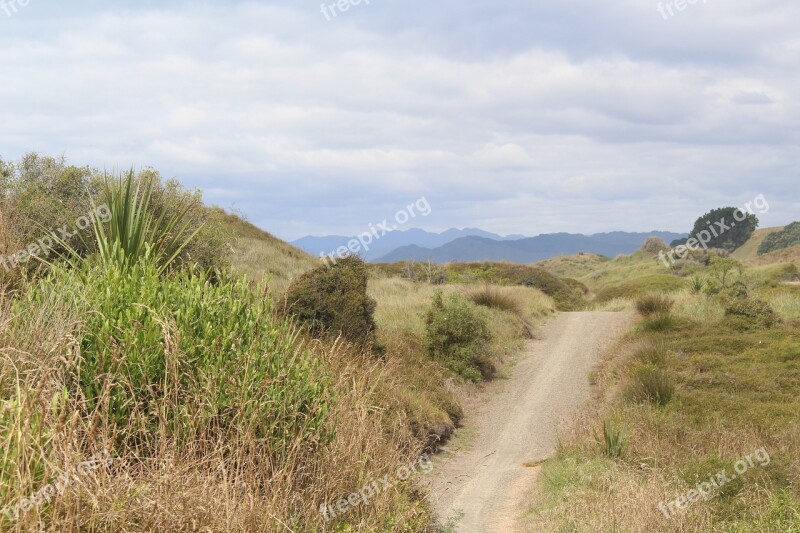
point(485, 485)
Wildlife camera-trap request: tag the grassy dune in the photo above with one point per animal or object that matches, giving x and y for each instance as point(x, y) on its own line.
point(749, 250)
point(258, 254)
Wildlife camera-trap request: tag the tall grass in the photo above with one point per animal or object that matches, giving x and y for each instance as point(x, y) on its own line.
point(651, 384)
point(232, 433)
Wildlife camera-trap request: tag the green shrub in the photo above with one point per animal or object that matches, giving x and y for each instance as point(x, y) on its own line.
point(332, 300)
point(615, 440)
point(651, 384)
point(654, 304)
point(134, 232)
point(41, 194)
point(458, 333)
point(752, 312)
point(565, 292)
point(188, 354)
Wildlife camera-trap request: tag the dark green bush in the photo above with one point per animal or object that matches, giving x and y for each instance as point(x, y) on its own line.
point(332, 300)
point(565, 292)
point(458, 333)
point(752, 312)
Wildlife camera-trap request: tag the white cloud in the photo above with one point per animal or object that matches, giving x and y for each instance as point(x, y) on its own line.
point(523, 118)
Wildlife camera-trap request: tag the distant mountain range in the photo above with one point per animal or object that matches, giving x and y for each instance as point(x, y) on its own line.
point(394, 240)
point(473, 244)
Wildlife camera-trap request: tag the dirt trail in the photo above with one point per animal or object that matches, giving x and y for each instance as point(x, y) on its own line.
point(486, 484)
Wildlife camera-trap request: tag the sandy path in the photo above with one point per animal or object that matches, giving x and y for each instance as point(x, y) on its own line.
point(486, 484)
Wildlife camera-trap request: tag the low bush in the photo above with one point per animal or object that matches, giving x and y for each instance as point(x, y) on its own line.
point(567, 293)
point(651, 384)
point(332, 300)
point(458, 333)
point(654, 304)
point(752, 312)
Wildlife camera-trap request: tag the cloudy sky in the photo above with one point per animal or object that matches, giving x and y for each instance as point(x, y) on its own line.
point(516, 116)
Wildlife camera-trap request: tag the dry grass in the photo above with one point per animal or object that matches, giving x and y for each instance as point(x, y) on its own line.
point(260, 257)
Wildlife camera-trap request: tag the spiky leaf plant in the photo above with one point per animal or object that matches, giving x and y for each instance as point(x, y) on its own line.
point(133, 232)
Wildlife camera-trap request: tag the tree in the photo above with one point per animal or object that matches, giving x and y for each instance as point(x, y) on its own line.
point(727, 228)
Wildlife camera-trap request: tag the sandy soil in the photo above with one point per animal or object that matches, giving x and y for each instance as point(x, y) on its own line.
point(483, 486)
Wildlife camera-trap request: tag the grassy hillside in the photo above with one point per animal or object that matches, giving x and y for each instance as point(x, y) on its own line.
point(256, 254)
point(749, 250)
point(788, 255)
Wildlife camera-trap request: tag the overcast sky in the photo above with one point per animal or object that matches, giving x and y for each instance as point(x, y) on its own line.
point(516, 116)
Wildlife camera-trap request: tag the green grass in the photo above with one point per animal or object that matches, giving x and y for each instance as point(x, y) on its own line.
point(640, 285)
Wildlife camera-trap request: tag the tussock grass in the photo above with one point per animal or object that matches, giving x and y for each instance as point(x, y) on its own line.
point(495, 297)
point(651, 384)
point(654, 304)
